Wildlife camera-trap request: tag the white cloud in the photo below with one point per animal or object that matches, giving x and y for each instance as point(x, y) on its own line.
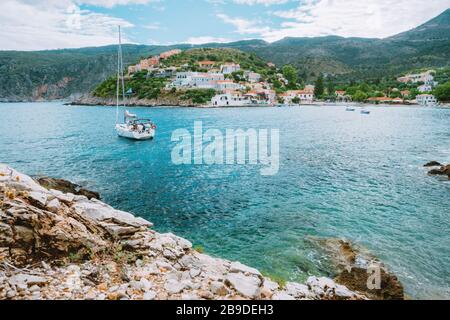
point(244, 26)
point(354, 18)
point(38, 25)
point(206, 39)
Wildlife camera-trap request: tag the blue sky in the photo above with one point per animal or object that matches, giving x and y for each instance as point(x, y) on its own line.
point(52, 24)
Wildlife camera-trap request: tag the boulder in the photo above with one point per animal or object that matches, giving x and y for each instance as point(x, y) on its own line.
point(444, 171)
point(67, 187)
point(357, 280)
point(247, 286)
point(236, 267)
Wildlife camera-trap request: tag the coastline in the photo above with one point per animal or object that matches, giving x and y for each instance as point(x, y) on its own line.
point(56, 245)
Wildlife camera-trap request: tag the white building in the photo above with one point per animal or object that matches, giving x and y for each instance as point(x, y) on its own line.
point(426, 99)
point(230, 99)
point(197, 80)
point(305, 96)
point(252, 77)
point(425, 77)
point(229, 68)
point(223, 85)
point(425, 88)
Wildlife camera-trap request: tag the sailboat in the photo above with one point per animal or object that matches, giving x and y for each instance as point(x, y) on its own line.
point(132, 127)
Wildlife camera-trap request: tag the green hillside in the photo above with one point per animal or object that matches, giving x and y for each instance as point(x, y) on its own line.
point(148, 86)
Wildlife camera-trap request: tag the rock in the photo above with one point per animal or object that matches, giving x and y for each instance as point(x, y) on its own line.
point(270, 285)
point(247, 286)
point(146, 285)
point(101, 212)
point(35, 288)
point(174, 286)
point(433, 164)
point(54, 205)
point(194, 272)
point(218, 288)
point(88, 194)
point(38, 197)
point(67, 187)
point(239, 267)
point(443, 170)
point(282, 296)
point(27, 279)
point(149, 295)
point(297, 290)
point(357, 279)
point(189, 297)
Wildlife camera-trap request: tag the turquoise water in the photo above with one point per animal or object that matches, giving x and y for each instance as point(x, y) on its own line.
point(342, 174)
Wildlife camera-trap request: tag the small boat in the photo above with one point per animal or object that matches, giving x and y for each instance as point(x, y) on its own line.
point(350, 109)
point(132, 127)
point(364, 111)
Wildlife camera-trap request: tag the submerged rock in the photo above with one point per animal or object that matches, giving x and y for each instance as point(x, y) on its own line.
point(433, 164)
point(355, 268)
point(357, 279)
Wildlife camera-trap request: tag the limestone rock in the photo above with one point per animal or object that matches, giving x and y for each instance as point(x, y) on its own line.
point(239, 267)
point(247, 286)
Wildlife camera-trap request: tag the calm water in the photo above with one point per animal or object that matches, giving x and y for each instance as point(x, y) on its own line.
point(342, 174)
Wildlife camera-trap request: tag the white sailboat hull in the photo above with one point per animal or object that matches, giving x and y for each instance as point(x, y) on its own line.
point(126, 131)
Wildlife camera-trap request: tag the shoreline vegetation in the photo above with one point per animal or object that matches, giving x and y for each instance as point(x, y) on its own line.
point(89, 100)
point(60, 245)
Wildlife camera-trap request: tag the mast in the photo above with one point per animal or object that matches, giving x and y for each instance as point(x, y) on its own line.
point(118, 78)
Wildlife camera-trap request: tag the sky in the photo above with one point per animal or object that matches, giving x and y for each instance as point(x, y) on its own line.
point(54, 24)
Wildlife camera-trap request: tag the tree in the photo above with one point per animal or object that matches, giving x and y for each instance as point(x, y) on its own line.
point(296, 100)
point(291, 75)
point(331, 88)
point(320, 89)
point(442, 92)
point(359, 96)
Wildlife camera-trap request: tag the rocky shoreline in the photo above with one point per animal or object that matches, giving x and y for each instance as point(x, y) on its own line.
point(89, 100)
point(56, 245)
point(59, 241)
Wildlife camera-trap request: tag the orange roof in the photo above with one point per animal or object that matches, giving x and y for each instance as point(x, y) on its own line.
point(225, 81)
point(206, 62)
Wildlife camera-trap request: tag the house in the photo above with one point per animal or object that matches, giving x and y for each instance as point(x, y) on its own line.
point(305, 96)
point(271, 65)
point(197, 80)
point(231, 98)
point(229, 68)
point(405, 93)
point(206, 64)
point(147, 64)
point(425, 88)
point(310, 88)
point(252, 77)
point(134, 69)
point(425, 77)
point(426, 99)
point(206, 80)
point(168, 54)
point(380, 99)
point(342, 96)
point(223, 85)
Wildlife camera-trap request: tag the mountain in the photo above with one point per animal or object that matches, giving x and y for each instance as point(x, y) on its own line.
point(58, 74)
point(435, 29)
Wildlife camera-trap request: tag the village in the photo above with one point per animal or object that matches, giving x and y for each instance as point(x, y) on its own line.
point(235, 86)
